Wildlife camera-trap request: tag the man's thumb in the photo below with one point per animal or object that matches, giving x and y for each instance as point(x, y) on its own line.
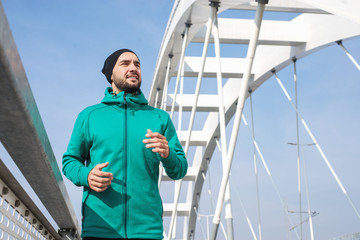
point(100, 166)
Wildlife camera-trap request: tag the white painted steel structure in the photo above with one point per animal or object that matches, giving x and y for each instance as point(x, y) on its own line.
point(278, 44)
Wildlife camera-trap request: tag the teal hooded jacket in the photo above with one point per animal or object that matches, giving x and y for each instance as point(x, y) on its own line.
point(113, 131)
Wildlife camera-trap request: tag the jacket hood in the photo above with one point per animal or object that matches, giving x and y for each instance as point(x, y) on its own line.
point(132, 99)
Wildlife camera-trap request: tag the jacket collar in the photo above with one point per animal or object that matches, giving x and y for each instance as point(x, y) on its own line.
point(133, 100)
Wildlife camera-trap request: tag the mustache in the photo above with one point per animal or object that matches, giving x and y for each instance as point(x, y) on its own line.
point(132, 75)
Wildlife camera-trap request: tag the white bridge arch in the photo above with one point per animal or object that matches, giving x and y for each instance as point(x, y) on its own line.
point(279, 44)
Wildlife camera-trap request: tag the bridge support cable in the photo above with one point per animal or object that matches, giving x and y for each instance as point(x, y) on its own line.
point(181, 93)
point(200, 77)
point(164, 104)
point(245, 213)
point(166, 83)
point(193, 110)
point(204, 235)
point(223, 229)
point(316, 144)
point(228, 211)
point(255, 167)
point(198, 215)
point(179, 80)
point(163, 107)
point(270, 175)
point(349, 55)
point(300, 158)
point(208, 180)
point(309, 212)
point(177, 186)
point(209, 186)
point(186, 220)
point(181, 63)
point(310, 215)
point(157, 97)
point(239, 109)
point(161, 171)
point(298, 146)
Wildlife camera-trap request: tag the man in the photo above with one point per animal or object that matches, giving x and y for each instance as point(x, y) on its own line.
point(114, 153)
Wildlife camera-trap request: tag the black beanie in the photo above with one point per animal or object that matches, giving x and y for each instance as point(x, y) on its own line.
point(110, 62)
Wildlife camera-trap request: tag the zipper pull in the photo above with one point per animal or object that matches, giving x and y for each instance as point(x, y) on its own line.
point(125, 102)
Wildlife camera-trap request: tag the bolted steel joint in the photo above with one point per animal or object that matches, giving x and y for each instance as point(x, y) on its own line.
point(215, 3)
point(17, 203)
point(5, 191)
point(68, 234)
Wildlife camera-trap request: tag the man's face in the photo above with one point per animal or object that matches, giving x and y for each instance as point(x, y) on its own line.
point(126, 74)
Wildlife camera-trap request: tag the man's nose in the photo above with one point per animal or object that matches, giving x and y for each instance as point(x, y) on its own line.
point(132, 67)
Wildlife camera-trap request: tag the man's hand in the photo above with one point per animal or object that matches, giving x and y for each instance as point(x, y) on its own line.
point(158, 143)
point(99, 180)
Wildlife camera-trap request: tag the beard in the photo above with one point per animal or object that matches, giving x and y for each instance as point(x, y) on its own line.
point(126, 87)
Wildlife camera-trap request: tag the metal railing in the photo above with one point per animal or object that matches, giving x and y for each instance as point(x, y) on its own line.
point(24, 137)
point(20, 218)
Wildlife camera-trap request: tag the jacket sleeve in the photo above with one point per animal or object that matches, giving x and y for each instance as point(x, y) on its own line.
point(74, 159)
point(175, 164)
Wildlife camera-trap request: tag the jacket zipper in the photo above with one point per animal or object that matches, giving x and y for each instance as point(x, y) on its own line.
point(125, 222)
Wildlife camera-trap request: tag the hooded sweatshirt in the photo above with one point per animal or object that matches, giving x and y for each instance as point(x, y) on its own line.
point(113, 131)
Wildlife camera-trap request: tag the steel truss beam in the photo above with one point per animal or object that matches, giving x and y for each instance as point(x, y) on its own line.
point(311, 29)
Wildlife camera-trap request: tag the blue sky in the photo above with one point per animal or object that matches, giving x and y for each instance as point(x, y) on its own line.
point(63, 45)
